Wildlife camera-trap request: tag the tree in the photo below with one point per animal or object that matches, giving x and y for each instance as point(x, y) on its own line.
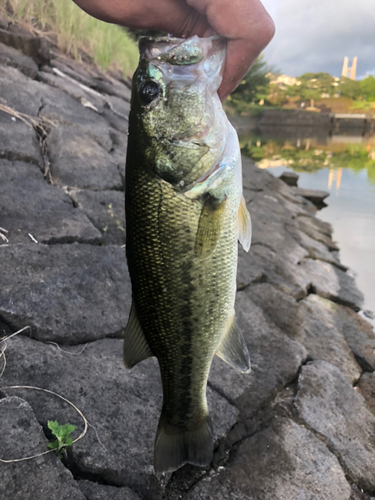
point(255, 85)
point(368, 88)
point(323, 83)
point(350, 88)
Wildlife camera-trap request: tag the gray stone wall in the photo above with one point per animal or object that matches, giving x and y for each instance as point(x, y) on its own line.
point(300, 426)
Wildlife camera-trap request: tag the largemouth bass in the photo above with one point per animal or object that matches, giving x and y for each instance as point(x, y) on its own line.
point(184, 215)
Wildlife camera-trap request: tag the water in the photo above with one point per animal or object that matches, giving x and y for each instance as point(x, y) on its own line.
point(345, 167)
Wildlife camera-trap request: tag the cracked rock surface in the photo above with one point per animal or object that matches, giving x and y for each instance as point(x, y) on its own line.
point(300, 426)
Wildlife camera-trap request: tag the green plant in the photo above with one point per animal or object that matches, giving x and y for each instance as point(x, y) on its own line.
point(110, 46)
point(62, 435)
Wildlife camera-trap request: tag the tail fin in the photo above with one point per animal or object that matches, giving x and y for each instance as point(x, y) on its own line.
point(175, 447)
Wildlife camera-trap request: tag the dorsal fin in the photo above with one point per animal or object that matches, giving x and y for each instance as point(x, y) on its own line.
point(136, 348)
point(244, 225)
point(233, 348)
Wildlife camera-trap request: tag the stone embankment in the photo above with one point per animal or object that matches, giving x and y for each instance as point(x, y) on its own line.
point(301, 425)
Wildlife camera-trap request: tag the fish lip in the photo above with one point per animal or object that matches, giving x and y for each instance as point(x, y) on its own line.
point(173, 40)
point(179, 51)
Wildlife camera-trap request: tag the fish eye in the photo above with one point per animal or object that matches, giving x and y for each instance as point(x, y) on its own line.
point(149, 91)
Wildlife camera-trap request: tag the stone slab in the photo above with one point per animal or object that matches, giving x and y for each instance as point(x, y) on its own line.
point(71, 293)
point(329, 405)
point(358, 333)
point(279, 307)
point(122, 406)
point(283, 274)
point(322, 336)
point(43, 101)
point(12, 57)
point(29, 205)
point(317, 229)
point(315, 196)
point(290, 178)
point(78, 161)
point(72, 89)
point(316, 249)
point(42, 478)
point(18, 141)
point(106, 210)
point(285, 462)
point(332, 283)
point(95, 491)
point(275, 360)
point(366, 387)
point(35, 47)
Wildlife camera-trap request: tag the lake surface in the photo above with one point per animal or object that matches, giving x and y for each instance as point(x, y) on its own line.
point(345, 167)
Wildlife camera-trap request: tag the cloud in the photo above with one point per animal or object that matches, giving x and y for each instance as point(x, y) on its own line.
point(315, 35)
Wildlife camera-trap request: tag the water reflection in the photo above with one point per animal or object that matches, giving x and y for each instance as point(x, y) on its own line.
point(344, 165)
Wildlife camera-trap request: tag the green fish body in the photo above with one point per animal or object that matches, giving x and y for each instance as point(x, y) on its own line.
point(184, 215)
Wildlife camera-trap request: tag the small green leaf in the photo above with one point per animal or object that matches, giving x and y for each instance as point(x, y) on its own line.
point(62, 433)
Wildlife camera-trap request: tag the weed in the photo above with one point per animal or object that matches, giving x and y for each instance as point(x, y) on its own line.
point(62, 435)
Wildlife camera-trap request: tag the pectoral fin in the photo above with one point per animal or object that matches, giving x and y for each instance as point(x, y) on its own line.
point(210, 225)
point(244, 225)
point(136, 348)
point(233, 349)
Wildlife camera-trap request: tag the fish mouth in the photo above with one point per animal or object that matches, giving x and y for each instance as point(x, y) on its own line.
point(180, 51)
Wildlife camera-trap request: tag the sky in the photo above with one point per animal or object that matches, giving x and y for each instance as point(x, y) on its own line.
point(315, 35)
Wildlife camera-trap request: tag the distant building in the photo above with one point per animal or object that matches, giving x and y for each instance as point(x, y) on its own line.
point(283, 80)
point(349, 71)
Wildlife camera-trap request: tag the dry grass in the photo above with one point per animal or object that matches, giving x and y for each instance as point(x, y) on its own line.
point(109, 45)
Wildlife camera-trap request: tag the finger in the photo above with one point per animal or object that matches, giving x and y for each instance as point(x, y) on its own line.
point(173, 16)
point(248, 28)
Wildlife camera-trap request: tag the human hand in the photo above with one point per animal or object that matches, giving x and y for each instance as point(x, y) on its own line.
point(245, 23)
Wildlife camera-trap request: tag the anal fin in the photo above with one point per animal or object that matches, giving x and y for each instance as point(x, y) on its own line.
point(244, 225)
point(136, 348)
point(233, 349)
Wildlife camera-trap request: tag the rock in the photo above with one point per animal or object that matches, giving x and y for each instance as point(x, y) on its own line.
point(122, 406)
point(313, 195)
point(36, 47)
point(21, 93)
point(357, 332)
point(281, 273)
point(284, 461)
point(95, 491)
point(18, 141)
point(83, 120)
point(77, 161)
point(323, 338)
point(275, 360)
point(366, 387)
point(43, 477)
point(66, 293)
point(11, 57)
point(92, 78)
point(316, 249)
point(28, 205)
point(248, 272)
point(332, 283)
point(106, 210)
point(329, 405)
point(72, 89)
point(369, 314)
point(50, 104)
point(290, 178)
point(317, 229)
point(280, 308)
